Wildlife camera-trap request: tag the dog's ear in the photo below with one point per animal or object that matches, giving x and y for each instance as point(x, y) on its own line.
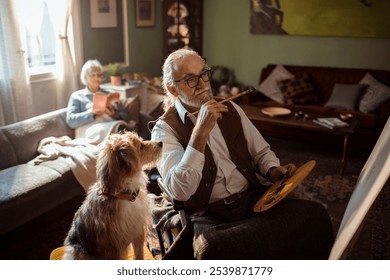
point(106, 178)
point(110, 172)
point(123, 160)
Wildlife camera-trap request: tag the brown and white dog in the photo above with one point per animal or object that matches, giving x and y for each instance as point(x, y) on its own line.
point(115, 212)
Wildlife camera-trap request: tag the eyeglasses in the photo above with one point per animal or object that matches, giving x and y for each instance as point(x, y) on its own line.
point(193, 81)
point(95, 75)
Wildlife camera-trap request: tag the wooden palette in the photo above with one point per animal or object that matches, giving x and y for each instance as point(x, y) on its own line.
point(283, 187)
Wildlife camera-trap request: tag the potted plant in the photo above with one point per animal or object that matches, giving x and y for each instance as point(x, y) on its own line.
point(115, 70)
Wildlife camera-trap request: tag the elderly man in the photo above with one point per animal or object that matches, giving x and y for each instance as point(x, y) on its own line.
point(212, 160)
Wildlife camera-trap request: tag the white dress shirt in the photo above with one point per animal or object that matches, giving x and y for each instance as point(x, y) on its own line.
point(181, 168)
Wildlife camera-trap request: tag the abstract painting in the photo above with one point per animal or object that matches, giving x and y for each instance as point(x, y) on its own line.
point(343, 18)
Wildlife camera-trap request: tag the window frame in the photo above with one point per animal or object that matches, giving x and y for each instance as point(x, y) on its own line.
point(45, 73)
point(76, 45)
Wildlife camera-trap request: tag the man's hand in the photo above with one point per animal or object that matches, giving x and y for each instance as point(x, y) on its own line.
point(280, 172)
point(209, 114)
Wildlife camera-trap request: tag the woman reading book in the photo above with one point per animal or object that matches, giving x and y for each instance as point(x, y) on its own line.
point(82, 114)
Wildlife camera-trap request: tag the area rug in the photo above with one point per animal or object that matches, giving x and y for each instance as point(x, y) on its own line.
point(326, 185)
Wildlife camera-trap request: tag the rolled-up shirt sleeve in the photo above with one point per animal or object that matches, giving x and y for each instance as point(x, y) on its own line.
point(180, 169)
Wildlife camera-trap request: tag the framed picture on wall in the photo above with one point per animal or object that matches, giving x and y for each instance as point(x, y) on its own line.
point(144, 13)
point(103, 13)
point(347, 18)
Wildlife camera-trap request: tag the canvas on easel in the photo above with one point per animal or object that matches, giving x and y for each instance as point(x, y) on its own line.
point(372, 178)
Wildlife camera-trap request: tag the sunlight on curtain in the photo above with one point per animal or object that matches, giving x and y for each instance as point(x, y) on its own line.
point(23, 21)
point(65, 72)
point(30, 20)
point(15, 92)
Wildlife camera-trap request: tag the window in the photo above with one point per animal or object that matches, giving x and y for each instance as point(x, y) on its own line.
point(41, 43)
point(38, 32)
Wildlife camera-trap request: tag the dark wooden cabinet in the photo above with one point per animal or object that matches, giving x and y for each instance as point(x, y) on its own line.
point(182, 25)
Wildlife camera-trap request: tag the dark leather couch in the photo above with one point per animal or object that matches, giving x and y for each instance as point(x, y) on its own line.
point(324, 79)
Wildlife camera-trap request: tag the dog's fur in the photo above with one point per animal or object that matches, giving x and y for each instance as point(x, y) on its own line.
point(104, 226)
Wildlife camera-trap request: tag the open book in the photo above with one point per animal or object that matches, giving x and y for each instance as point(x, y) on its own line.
point(101, 100)
point(331, 122)
point(283, 187)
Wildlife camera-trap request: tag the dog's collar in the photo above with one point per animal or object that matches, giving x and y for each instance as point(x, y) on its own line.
point(125, 196)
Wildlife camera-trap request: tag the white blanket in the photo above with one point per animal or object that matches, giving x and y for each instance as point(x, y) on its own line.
point(81, 152)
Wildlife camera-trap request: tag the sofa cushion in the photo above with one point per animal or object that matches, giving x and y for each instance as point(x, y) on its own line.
point(374, 95)
point(132, 106)
point(7, 152)
point(30, 190)
point(128, 109)
point(269, 86)
point(345, 96)
point(298, 90)
point(25, 135)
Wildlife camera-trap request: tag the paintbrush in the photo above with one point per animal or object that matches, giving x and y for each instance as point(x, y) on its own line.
point(231, 98)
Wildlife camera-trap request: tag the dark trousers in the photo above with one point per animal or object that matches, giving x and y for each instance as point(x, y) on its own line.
point(292, 229)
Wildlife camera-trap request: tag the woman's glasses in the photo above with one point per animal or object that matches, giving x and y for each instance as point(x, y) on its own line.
point(96, 75)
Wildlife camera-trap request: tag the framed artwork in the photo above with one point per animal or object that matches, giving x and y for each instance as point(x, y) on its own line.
point(347, 18)
point(103, 13)
point(144, 13)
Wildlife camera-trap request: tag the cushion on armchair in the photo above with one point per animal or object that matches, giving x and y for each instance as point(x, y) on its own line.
point(128, 110)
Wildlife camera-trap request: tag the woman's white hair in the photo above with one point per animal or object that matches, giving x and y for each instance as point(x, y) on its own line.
point(169, 67)
point(87, 69)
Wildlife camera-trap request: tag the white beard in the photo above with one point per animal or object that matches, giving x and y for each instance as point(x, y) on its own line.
point(194, 101)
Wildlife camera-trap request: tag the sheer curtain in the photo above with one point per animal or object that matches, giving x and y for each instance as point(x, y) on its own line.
point(15, 88)
point(66, 79)
point(15, 91)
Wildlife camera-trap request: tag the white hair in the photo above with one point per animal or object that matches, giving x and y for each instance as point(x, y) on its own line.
point(87, 69)
point(169, 67)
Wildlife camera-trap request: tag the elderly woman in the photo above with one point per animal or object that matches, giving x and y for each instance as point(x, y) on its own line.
point(81, 114)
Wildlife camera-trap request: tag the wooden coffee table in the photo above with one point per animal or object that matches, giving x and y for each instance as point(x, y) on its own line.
point(290, 121)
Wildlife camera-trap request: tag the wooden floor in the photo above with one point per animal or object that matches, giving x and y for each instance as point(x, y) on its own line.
point(57, 254)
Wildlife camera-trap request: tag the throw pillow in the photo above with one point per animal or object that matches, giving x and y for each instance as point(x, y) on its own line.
point(269, 86)
point(298, 90)
point(128, 109)
point(374, 95)
point(345, 96)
